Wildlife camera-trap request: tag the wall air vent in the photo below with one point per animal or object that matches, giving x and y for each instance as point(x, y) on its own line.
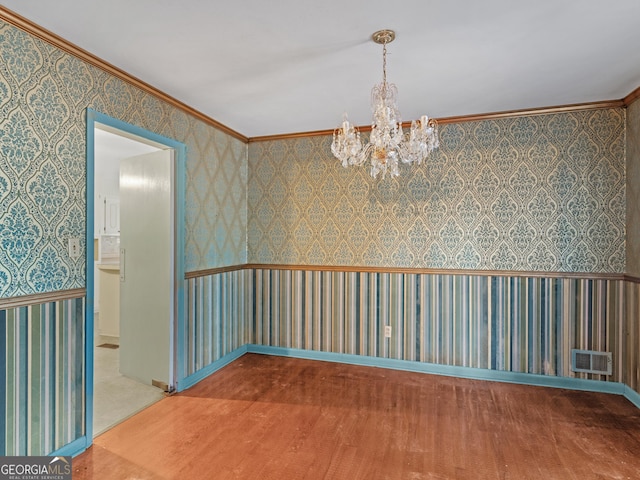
point(589, 361)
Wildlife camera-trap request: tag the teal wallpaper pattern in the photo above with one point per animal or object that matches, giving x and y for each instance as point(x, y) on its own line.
point(44, 94)
point(42, 184)
point(528, 193)
point(633, 189)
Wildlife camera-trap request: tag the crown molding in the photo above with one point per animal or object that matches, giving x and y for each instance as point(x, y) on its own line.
point(289, 136)
point(469, 118)
point(632, 97)
point(578, 107)
point(51, 38)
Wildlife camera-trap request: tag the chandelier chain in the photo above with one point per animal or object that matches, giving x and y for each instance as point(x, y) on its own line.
point(384, 63)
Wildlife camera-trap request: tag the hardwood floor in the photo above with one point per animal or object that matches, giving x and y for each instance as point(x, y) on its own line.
point(265, 417)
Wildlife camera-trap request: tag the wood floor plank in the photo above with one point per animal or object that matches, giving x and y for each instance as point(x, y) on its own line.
point(265, 417)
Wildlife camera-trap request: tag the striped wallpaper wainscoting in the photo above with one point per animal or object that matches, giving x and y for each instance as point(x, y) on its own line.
point(218, 317)
point(517, 324)
point(42, 400)
point(632, 337)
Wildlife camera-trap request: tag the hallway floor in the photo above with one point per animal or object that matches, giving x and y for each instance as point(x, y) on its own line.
point(117, 397)
point(264, 417)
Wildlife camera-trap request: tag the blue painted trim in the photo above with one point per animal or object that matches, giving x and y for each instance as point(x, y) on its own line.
point(72, 449)
point(631, 395)
point(203, 373)
point(180, 248)
point(447, 370)
point(180, 149)
point(89, 276)
point(3, 382)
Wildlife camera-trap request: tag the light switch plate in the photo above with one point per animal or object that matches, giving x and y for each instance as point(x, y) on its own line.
point(74, 247)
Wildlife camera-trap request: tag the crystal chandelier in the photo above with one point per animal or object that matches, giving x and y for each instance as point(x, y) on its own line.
point(387, 142)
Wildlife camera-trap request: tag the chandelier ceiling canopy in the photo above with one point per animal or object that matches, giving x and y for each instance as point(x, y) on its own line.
point(388, 144)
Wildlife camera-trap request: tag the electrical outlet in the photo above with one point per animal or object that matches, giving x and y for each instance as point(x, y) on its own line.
point(387, 331)
point(74, 247)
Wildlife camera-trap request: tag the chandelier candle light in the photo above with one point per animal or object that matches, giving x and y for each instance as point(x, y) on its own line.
point(387, 143)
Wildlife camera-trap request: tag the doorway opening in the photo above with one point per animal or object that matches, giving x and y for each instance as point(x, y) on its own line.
point(116, 396)
point(134, 281)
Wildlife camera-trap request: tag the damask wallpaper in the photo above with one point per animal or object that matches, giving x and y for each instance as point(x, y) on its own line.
point(633, 189)
point(530, 193)
point(44, 94)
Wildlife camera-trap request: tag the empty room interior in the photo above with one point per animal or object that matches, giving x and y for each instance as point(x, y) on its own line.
point(225, 255)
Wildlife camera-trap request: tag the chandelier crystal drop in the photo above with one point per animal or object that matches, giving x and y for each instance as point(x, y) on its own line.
point(388, 144)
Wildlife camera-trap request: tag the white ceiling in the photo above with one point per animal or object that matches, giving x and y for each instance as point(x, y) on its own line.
point(267, 68)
